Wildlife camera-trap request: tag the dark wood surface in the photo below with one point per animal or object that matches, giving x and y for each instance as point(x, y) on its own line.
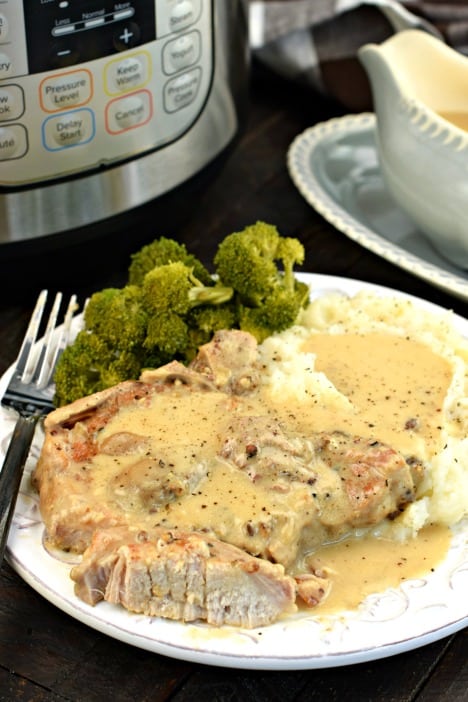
point(47, 655)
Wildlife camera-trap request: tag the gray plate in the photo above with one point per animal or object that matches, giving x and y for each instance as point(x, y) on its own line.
point(335, 167)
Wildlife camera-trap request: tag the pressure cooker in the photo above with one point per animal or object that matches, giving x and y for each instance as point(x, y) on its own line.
point(106, 106)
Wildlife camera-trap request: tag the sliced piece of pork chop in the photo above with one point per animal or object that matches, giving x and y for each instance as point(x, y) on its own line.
point(184, 576)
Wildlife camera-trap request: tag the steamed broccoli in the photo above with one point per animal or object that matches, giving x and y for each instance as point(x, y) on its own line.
point(208, 319)
point(167, 334)
point(91, 364)
point(173, 287)
point(169, 293)
point(117, 316)
point(277, 312)
point(162, 251)
point(170, 306)
point(246, 261)
point(259, 265)
point(204, 321)
point(137, 326)
point(291, 253)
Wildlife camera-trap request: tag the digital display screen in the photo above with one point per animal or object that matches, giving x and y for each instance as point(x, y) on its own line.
point(62, 33)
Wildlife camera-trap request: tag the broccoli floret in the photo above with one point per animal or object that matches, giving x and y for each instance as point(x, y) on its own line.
point(211, 319)
point(170, 293)
point(245, 261)
point(291, 253)
point(204, 321)
point(89, 365)
point(126, 364)
point(276, 313)
point(160, 252)
point(116, 315)
point(173, 287)
point(167, 335)
point(259, 265)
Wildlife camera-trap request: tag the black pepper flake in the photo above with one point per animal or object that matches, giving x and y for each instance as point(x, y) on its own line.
point(251, 450)
point(250, 529)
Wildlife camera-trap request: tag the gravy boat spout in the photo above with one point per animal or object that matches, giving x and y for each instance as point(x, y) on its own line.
point(420, 92)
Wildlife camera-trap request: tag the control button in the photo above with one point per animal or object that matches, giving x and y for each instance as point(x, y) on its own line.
point(6, 66)
point(129, 112)
point(59, 92)
point(181, 91)
point(11, 102)
point(122, 75)
point(176, 15)
point(127, 36)
point(182, 16)
point(68, 129)
point(13, 142)
point(4, 27)
point(181, 52)
point(64, 54)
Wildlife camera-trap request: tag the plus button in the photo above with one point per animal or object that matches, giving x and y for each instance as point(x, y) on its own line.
point(126, 36)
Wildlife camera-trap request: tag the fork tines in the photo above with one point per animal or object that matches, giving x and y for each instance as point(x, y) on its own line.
point(32, 377)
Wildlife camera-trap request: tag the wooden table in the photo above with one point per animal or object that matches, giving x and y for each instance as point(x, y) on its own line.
point(47, 655)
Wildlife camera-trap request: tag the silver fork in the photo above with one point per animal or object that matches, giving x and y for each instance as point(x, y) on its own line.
point(30, 392)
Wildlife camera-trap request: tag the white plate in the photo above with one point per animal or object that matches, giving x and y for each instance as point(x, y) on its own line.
point(335, 167)
point(417, 613)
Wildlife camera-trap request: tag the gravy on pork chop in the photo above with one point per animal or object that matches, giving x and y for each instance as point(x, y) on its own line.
point(203, 461)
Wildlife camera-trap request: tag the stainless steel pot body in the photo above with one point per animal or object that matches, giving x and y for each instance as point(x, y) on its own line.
point(200, 99)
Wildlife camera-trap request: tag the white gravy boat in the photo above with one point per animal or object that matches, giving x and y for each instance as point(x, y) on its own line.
point(420, 93)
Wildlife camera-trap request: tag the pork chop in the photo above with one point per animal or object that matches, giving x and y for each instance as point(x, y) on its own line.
point(196, 456)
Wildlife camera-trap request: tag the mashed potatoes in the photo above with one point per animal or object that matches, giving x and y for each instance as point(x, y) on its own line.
point(403, 330)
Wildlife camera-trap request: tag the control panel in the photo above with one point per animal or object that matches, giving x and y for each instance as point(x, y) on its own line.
point(90, 83)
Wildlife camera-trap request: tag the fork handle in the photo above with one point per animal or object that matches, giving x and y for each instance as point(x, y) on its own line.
point(11, 473)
